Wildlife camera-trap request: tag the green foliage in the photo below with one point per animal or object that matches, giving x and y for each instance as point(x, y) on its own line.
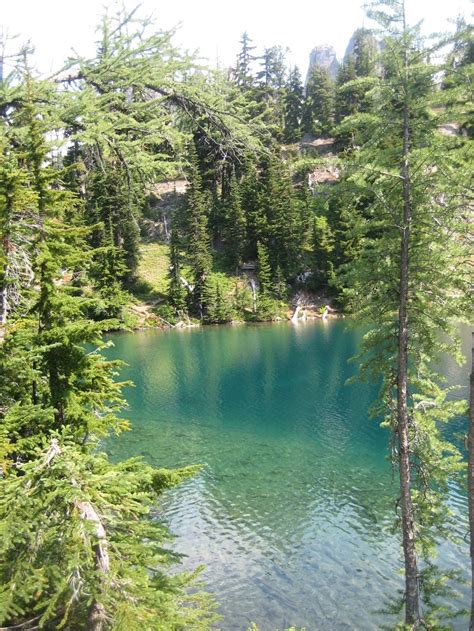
point(243, 72)
point(400, 143)
point(177, 292)
point(218, 305)
point(235, 224)
point(321, 254)
point(294, 100)
point(319, 105)
point(94, 557)
point(79, 548)
point(197, 238)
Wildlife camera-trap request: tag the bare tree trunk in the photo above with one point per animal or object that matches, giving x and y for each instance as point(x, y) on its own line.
point(470, 480)
point(4, 294)
point(412, 591)
point(97, 616)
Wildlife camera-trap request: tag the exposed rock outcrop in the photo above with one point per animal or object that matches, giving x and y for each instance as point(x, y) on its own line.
point(323, 56)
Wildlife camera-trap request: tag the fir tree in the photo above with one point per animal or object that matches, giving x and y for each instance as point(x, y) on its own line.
point(265, 298)
point(319, 115)
point(364, 52)
point(264, 270)
point(277, 203)
point(235, 225)
point(280, 288)
point(197, 237)
point(243, 75)
point(294, 100)
point(346, 102)
point(322, 246)
point(176, 291)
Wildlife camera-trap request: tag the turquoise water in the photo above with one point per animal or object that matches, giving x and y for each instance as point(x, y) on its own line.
point(292, 514)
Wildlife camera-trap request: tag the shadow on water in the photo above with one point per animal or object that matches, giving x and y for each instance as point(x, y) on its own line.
point(292, 515)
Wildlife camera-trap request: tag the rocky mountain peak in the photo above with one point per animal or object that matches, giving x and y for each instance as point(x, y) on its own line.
point(324, 56)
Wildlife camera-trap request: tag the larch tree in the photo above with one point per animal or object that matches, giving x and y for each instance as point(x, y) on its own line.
point(408, 280)
point(78, 547)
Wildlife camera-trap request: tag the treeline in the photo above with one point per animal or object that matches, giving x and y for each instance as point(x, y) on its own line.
point(81, 153)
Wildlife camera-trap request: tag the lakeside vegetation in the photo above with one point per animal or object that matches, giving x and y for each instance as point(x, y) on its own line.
point(355, 193)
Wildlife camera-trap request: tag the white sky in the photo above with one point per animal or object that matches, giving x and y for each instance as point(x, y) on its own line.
point(212, 26)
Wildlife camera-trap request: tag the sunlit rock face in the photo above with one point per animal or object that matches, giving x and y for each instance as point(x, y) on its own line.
point(325, 57)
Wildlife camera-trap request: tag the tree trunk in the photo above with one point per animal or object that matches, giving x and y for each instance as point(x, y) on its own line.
point(412, 592)
point(470, 481)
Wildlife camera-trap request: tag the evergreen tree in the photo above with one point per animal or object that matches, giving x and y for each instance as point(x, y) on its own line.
point(243, 75)
point(322, 247)
point(218, 308)
point(78, 548)
point(106, 270)
point(235, 225)
point(16, 232)
point(271, 77)
point(294, 100)
point(278, 205)
point(346, 102)
point(364, 52)
point(279, 284)
point(255, 220)
point(355, 84)
point(456, 96)
point(264, 271)
point(408, 283)
point(197, 237)
point(319, 115)
point(270, 90)
point(129, 112)
point(176, 292)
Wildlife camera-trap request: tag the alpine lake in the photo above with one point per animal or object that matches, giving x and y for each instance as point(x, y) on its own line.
point(293, 512)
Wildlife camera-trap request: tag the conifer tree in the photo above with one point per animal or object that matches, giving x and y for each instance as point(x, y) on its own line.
point(346, 102)
point(176, 292)
point(408, 282)
point(78, 548)
point(319, 115)
point(129, 112)
point(277, 203)
point(271, 77)
point(322, 246)
point(197, 237)
point(456, 96)
point(243, 75)
point(264, 270)
point(270, 90)
point(16, 272)
point(294, 100)
point(256, 222)
point(266, 305)
point(235, 225)
point(364, 52)
point(106, 270)
point(279, 284)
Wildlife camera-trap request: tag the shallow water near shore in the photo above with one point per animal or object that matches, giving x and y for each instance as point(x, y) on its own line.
point(292, 514)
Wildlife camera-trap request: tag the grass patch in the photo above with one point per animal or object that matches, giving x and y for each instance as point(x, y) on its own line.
point(152, 271)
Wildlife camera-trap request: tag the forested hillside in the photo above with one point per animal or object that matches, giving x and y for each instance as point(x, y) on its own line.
point(138, 187)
